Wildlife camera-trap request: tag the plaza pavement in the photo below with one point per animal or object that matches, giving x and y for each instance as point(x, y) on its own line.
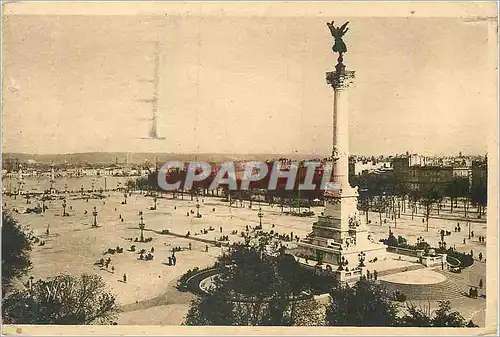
point(147, 297)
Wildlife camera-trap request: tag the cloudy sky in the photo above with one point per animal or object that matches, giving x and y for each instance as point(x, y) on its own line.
point(233, 84)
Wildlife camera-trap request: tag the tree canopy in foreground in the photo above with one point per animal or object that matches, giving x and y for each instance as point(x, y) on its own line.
point(61, 300)
point(254, 288)
point(15, 251)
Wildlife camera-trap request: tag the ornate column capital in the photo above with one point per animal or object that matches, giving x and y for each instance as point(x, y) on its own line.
point(340, 80)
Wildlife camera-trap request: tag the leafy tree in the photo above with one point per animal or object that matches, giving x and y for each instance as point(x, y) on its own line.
point(253, 288)
point(211, 310)
point(130, 185)
point(416, 317)
point(365, 304)
point(458, 187)
point(143, 184)
point(15, 251)
point(308, 313)
point(381, 204)
point(413, 197)
point(442, 317)
point(479, 196)
point(364, 202)
point(401, 191)
point(429, 197)
point(62, 300)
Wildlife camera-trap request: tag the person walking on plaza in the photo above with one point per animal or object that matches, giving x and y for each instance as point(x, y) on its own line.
point(206, 248)
point(125, 278)
point(190, 246)
point(481, 284)
point(480, 257)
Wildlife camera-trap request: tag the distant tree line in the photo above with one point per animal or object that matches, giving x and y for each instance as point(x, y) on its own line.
point(383, 194)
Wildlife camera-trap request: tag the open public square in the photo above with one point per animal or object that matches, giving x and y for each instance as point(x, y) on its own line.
point(73, 246)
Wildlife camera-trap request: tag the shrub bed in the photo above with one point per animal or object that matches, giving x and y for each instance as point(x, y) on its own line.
point(466, 260)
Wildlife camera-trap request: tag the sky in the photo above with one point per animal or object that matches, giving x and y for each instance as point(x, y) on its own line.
point(236, 84)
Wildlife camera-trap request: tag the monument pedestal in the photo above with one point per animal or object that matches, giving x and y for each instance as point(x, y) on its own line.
point(340, 234)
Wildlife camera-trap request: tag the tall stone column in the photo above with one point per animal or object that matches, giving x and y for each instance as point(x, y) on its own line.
point(340, 81)
point(341, 202)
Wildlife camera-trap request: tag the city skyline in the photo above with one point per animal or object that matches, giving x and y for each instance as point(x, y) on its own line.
point(408, 94)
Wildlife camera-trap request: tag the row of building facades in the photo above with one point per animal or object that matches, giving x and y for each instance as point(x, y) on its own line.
point(416, 173)
point(411, 171)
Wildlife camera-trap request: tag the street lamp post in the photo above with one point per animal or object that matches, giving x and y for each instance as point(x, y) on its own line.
point(260, 215)
point(197, 208)
point(64, 207)
point(342, 262)
point(155, 199)
point(125, 196)
point(94, 213)
point(142, 225)
point(361, 258)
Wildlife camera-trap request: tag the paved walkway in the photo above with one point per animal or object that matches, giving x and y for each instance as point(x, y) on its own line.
point(171, 296)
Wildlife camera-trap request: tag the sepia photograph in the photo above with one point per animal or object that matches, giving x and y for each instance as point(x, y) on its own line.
point(271, 165)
